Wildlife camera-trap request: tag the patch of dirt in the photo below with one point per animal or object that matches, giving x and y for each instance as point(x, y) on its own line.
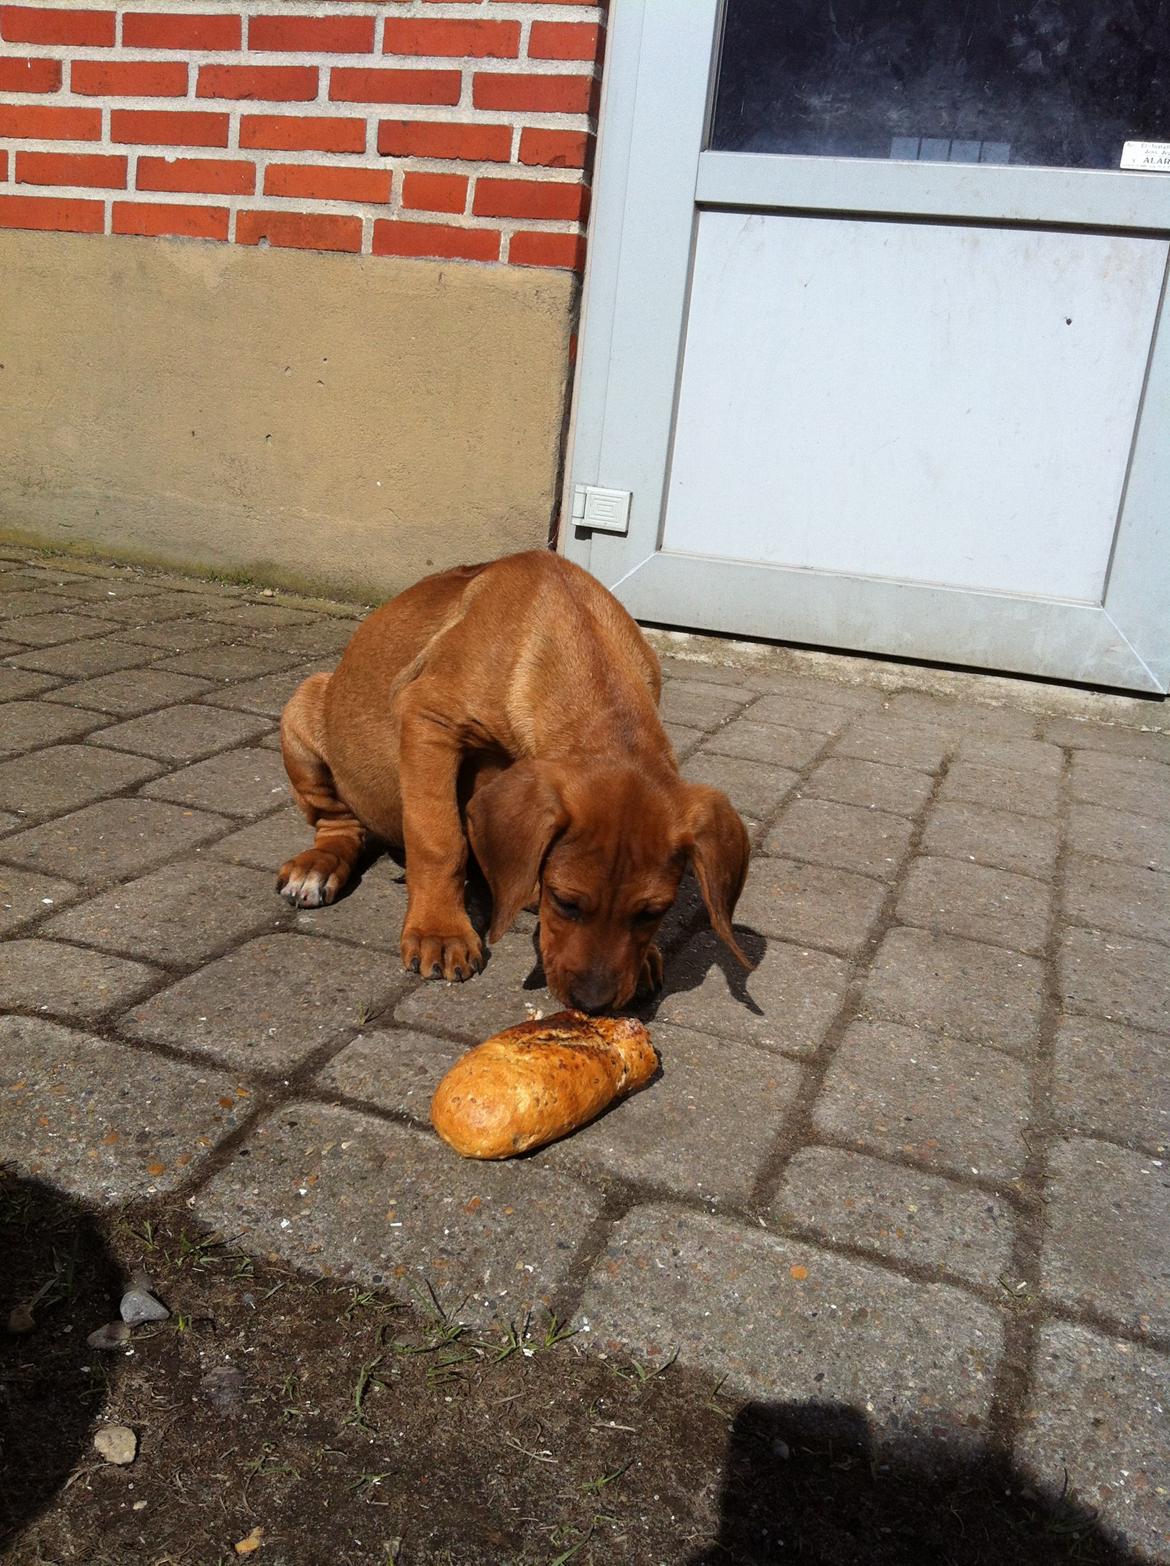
point(296, 1421)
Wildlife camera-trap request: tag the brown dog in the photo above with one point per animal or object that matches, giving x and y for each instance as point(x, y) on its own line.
point(514, 704)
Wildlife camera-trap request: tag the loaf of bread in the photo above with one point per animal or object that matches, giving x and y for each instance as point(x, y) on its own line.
point(538, 1081)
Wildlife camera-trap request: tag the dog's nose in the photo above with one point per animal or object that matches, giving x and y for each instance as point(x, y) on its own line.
point(592, 991)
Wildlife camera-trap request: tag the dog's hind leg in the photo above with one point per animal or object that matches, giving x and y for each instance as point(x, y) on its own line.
point(320, 873)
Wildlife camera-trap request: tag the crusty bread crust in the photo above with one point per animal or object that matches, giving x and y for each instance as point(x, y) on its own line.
point(538, 1081)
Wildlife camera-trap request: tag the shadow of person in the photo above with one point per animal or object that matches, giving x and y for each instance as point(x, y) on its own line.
point(55, 1264)
point(804, 1482)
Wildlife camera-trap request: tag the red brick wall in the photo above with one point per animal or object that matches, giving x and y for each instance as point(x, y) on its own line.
point(458, 129)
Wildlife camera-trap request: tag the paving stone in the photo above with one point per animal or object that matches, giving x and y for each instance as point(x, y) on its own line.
point(260, 617)
point(15, 683)
point(113, 839)
point(25, 725)
point(34, 600)
point(1111, 1081)
point(370, 915)
point(977, 902)
point(244, 782)
point(682, 739)
point(882, 738)
point(811, 904)
point(754, 787)
point(180, 914)
point(852, 782)
point(1108, 737)
point(313, 639)
point(328, 1188)
point(768, 742)
point(61, 777)
point(958, 830)
point(75, 660)
point(1097, 1414)
point(266, 844)
point(25, 895)
point(848, 836)
point(271, 740)
point(998, 788)
point(1121, 782)
point(1117, 978)
point(971, 717)
point(809, 710)
point(8, 821)
point(100, 588)
point(1109, 896)
point(1115, 834)
point(44, 630)
point(700, 706)
point(220, 663)
point(960, 988)
point(396, 1070)
point(268, 1005)
point(897, 1212)
point(940, 1102)
point(789, 1323)
point(160, 607)
point(269, 694)
point(1104, 1248)
point(1012, 755)
point(713, 1096)
point(102, 1121)
point(698, 669)
point(510, 989)
point(176, 636)
point(69, 981)
point(182, 733)
point(788, 1003)
point(127, 692)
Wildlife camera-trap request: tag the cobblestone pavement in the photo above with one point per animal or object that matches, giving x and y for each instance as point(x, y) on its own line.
point(913, 1163)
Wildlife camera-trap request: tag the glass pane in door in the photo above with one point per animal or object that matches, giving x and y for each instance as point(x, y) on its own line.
point(1055, 83)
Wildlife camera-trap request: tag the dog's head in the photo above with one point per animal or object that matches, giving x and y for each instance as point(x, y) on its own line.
point(607, 847)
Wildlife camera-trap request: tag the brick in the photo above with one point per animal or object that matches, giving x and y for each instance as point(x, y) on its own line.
point(228, 663)
point(699, 705)
point(263, 617)
point(103, 1122)
point(271, 83)
point(531, 198)
point(896, 744)
point(69, 982)
point(1110, 1081)
point(511, 983)
point(161, 217)
point(765, 742)
point(63, 777)
point(682, 739)
point(182, 733)
point(370, 915)
point(1122, 782)
point(299, 231)
point(70, 168)
point(116, 838)
point(754, 787)
point(820, 705)
point(370, 84)
point(1115, 834)
point(1118, 741)
point(268, 1006)
point(435, 239)
point(977, 902)
point(327, 184)
point(38, 25)
point(35, 600)
point(391, 1205)
point(1104, 1247)
point(966, 717)
point(539, 94)
point(960, 988)
point(900, 1213)
point(208, 176)
point(46, 630)
point(174, 637)
point(555, 149)
point(1000, 838)
point(1131, 899)
point(15, 683)
point(149, 611)
point(267, 695)
point(435, 192)
point(939, 1102)
point(564, 41)
point(921, 1359)
point(811, 904)
point(168, 127)
point(1116, 978)
point(900, 790)
point(998, 788)
point(180, 914)
point(473, 40)
point(302, 133)
point(40, 122)
point(244, 782)
point(26, 896)
point(1013, 755)
point(392, 1070)
point(312, 34)
point(566, 251)
point(129, 78)
point(157, 30)
point(267, 843)
point(124, 693)
point(827, 833)
point(1095, 1423)
point(25, 724)
point(433, 139)
point(23, 75)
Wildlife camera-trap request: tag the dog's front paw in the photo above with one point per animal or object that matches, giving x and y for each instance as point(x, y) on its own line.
point(313, 878)
point(650, 978)
point(446, 954)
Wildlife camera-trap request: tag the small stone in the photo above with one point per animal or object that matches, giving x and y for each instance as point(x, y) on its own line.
point(223, 1386)
point(112, 1336)
point(21, 1319)
point(138, 1306)
point(246, 1545)
point(117, 1444)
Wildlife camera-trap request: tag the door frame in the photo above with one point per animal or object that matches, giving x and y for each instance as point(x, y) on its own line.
point(653, 178)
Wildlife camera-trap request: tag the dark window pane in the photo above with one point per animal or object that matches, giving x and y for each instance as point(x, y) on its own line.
point(1060, 83)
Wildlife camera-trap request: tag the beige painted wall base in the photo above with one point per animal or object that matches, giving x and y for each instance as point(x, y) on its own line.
point(327, 423)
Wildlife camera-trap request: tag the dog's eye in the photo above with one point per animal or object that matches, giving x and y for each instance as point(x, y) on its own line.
point(565, 906)
point(648, 915)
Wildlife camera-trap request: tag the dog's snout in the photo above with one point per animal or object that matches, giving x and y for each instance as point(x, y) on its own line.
point(592, 991)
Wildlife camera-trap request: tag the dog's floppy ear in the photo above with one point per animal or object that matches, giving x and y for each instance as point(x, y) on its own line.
point(717, 842)
point(511, 822)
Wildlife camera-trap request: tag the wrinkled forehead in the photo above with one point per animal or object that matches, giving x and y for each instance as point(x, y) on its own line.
point(621, 850)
